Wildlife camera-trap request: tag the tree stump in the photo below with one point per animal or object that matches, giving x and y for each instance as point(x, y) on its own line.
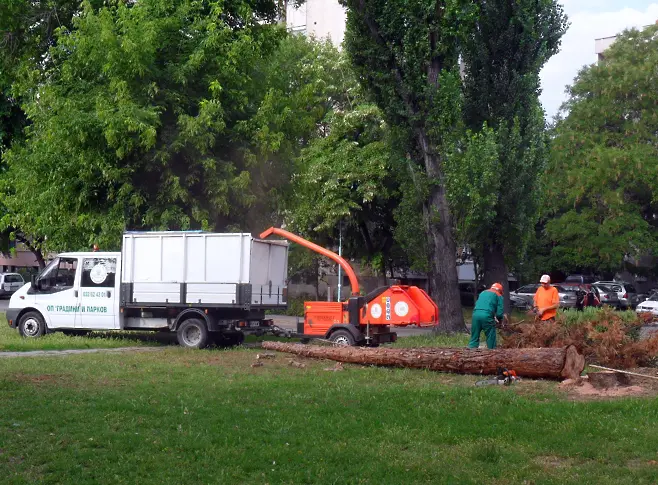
point(555, 363)
point(607, 380)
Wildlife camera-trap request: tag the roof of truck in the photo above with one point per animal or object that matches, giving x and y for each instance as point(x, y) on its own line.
point(89, 254)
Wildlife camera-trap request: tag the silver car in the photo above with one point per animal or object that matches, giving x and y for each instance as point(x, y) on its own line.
point(9, 283)
point(607, 296)
point(527, 294)
point(628, 296)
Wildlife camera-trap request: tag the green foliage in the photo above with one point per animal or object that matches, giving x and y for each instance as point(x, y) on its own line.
point(159, 115)
point(474, 182)
point(410, 220)
point(602, 184)
point(351, 178)
point(570, 318)
point(405, 54)
point(503, 54)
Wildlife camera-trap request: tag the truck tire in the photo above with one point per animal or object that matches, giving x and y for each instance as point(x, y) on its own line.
point(342, 337)
point(31, 325)
point(192, 334)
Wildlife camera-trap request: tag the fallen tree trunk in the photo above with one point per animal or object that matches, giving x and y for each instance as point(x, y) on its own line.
point(554, 363)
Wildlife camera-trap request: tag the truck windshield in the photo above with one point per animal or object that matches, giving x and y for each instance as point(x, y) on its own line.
point(48, 270)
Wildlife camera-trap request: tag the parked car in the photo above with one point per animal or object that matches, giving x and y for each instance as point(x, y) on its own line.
point(525, 296)
point(518, 301)
point(9, 283)
point(650, 305)
point(628, 296)
point(579, 279)
point(568, 296)
point(607, 296)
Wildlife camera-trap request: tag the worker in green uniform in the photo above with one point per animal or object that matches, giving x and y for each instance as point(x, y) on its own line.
point(488, 308)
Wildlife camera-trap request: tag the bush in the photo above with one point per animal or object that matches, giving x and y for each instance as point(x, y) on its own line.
point(295, 308)
point(603, 336)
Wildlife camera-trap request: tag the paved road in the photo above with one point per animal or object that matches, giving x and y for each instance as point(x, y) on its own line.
point(4, 303)
point(46, 353)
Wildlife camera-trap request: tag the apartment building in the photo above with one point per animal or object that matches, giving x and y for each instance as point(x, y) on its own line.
point(323, 19)
point(602, 44)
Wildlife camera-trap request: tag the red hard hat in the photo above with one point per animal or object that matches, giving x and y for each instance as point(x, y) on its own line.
point(497, 287)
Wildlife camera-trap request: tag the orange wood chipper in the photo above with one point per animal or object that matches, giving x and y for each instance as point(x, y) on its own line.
point(361, 320)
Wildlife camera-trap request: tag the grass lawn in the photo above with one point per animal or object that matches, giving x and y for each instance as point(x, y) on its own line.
point(187, 417)
point(11, 341)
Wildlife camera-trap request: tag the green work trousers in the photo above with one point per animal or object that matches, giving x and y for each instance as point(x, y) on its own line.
point(482, 321)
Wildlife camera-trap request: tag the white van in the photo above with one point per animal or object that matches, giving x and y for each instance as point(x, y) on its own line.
point(9, 283)
point(203, 286)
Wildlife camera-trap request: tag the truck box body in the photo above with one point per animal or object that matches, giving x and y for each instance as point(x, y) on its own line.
point(212, 269)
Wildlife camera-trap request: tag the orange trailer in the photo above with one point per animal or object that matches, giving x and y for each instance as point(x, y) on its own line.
point(362, 320)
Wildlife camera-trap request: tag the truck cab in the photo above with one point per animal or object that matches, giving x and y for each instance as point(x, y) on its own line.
point(75, 291)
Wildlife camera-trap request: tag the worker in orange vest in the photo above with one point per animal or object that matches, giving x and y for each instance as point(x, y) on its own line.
point(547, 300)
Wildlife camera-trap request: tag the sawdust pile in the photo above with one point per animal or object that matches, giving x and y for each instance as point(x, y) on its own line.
point(586, 387)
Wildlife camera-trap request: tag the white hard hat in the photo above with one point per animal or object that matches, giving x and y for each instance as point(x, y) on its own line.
point(545, 279)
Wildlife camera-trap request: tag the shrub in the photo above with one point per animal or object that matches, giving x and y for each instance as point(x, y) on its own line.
point(603, 336)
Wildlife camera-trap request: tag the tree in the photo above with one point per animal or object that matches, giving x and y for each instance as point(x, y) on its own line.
point(405, 53)
point(602, 183)
point(350, 178)
point(498, 189)
point(153, 115)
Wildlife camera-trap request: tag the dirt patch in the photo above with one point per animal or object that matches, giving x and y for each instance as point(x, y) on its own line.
point(611, 385)
point(44, 379)
point(553, 461)
point(635, 464)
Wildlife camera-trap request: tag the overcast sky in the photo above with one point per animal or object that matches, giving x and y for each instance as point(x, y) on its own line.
point(589, 20)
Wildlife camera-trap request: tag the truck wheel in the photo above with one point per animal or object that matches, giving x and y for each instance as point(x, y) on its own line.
point(32, 325)
point(342, 337)
point(192, 334)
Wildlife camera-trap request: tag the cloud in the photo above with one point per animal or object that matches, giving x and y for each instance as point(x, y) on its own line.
point(588, 23)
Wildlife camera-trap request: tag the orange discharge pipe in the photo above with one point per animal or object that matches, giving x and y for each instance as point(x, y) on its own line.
point(354, 283)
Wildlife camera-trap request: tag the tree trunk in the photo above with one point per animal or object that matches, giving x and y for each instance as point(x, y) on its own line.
point(316, 267)
point(443, 250)
point(38, 255)
point(495, 270)
point(560, 362)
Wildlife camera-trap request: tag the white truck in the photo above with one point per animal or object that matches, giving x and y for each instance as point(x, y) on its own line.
point(204, 286)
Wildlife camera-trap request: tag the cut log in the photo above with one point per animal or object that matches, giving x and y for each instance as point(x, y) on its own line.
point(564, 362)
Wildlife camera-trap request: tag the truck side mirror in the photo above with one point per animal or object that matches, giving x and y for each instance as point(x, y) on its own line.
point(33, 279)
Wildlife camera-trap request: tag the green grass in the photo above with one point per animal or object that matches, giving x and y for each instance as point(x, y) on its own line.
point(179, 416)
point(431, 340)
point(10, 340)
